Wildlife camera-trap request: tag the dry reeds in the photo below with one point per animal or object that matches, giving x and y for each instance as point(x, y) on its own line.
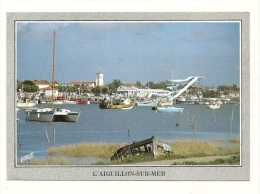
point(185, 149)
point(235, 140)
point(101, 150)
point(181, 149)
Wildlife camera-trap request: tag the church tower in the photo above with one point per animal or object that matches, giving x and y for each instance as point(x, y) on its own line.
point(99, 79)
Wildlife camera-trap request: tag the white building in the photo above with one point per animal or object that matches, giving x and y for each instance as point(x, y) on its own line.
point(41, 84)
point(48, 92)
point(131, 91)
point(99, 79)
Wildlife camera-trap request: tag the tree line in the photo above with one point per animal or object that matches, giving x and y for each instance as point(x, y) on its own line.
point(29, 86)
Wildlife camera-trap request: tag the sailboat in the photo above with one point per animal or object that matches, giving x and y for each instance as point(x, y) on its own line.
point(51, 114)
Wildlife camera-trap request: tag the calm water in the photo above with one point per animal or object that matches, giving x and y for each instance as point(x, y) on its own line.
point(111, 126)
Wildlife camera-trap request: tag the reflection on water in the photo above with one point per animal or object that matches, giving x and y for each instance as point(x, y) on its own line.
point(112, 126)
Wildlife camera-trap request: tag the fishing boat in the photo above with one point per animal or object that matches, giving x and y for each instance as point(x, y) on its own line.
point(81, 101)
point(120, 104)
point(50, 114)
point(127, 108)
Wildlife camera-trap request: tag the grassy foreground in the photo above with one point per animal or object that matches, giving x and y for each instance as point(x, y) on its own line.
point(228, 161)
point(181, 149)
point(100, 150)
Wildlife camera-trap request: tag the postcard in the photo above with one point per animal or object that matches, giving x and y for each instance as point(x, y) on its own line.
point(128, 96)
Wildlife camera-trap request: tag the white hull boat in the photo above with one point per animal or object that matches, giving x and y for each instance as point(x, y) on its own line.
point(57, 102)
point(25, 104)
point(146, 104)
point(65, 115)
point(181, 99)
point(40, 114)
point(169, 109)
point(69, 102)
point(213, 106)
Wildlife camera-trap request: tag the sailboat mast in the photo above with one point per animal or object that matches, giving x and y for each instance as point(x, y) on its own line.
point(53, 68)
point(172, 87)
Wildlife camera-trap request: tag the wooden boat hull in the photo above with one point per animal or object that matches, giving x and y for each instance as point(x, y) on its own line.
point(111, 106)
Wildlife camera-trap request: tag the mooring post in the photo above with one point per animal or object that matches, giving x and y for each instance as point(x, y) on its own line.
point(214, 116)
point(231, 119)
point(233, 110)
point(54, 135)
point(128, 132)
point(229, 122)
point(195, 126)
point(47, 135)
point(193, 116)
point(187, 116)
point(177, 124)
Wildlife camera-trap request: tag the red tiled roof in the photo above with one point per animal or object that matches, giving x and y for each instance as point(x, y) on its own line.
point(128, 85)
point(78, 83)
point(234, 92)
point(40, 83)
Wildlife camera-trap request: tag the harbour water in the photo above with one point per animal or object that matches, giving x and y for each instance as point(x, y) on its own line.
point(111, 126)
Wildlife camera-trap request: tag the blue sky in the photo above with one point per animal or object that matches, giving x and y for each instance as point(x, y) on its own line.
point(130, 51)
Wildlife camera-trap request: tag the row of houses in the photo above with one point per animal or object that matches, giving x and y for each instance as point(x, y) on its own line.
point(99, 82)
point(127, 89)
point(43, 85)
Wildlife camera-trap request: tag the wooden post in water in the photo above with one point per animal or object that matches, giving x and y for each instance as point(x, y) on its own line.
point(47, 135)
point(231, 118)
point(128, 132)
point(54, 135)
point(214, 116)
point(187, 116)
point(193, 117)
point(233, 110)
point(195, 126)
point(178, 119)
